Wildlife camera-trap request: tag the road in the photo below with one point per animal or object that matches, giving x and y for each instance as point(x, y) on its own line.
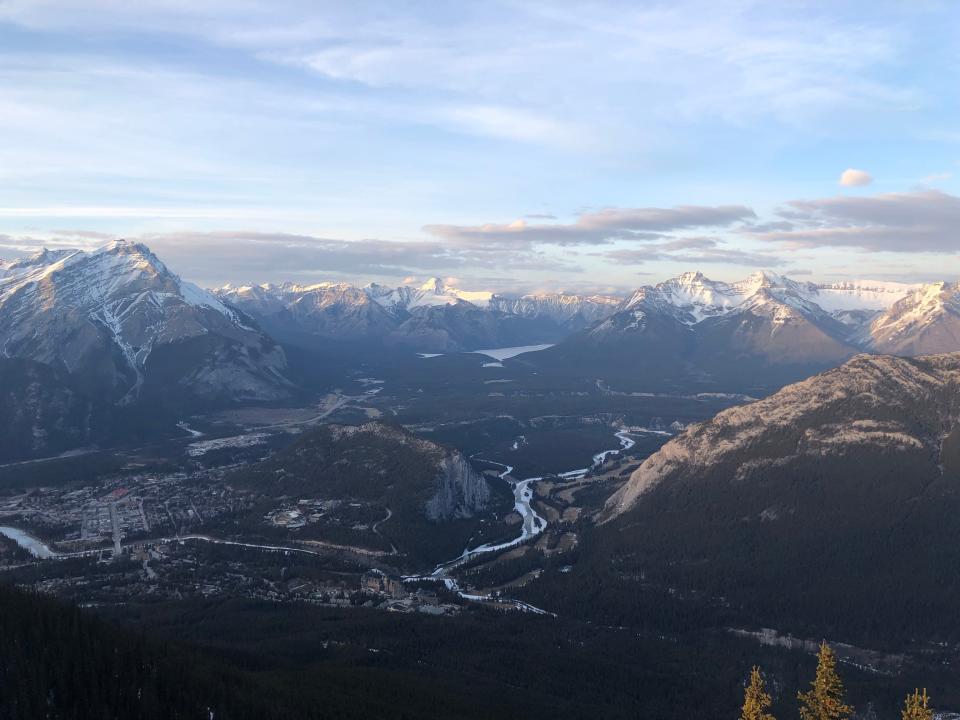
point(376, 529)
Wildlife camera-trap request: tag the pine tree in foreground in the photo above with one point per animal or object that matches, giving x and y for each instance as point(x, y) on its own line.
point(824, 700)
point(756, 699)
point(917, 706)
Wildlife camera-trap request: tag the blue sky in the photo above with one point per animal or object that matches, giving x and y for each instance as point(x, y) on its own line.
point(514, 145)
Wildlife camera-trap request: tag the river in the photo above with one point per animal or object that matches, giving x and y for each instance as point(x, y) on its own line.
point(28, 542)
point(533, 523)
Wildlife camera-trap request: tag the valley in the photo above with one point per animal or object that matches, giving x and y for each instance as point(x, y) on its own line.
point(478, 361)
point(539, 481)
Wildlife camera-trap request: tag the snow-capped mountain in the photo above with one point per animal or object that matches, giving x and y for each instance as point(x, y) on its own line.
point(765, 329)
point(434, 292)
point(334, 310)
point(8, 268)
point(925, 321)
point(124, 327)
point(396, 301)
point(433, 317)
point(566, 309)
point(693, 297)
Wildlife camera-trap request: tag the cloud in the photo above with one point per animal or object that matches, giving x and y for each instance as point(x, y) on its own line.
point(908, 222)
point(855, 178)
point(596, 227)
point(507, 123)
point(217, 257)
point(85, 235)
point(693, 252)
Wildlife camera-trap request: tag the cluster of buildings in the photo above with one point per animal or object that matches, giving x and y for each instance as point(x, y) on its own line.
point(394, 595)
point(78, 519)
point(305, 512)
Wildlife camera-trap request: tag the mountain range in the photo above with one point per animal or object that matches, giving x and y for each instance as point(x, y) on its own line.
point(433, 317)
point(123, 328)
point(760, 332)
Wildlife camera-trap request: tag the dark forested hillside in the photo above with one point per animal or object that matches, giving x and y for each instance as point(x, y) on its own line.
point(831, 507)
point(58, 662)
point(429, 497)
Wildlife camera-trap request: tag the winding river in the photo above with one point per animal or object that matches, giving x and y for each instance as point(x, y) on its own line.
point(28, 542)
point(533, 523)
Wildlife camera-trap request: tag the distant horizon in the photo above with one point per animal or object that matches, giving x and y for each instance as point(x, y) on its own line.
point(465, 283)
point(535, 144)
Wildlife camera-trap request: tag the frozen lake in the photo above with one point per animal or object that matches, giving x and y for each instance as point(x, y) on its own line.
point(500, 354)
point(497, 354)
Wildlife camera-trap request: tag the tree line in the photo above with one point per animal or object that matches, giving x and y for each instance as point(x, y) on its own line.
point(825, 698)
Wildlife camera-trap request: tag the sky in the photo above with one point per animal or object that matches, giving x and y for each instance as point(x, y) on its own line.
point(509, 145)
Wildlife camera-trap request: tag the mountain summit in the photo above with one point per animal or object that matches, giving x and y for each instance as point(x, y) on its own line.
point(123, 326)
point(760, 332)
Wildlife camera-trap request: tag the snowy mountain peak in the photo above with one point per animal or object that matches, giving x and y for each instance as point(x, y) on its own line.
point(434, 285)
point(102, 315)
point(691, 278)
point(926, 320)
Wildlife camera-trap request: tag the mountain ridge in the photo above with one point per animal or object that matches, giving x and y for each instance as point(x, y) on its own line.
point(107, 317)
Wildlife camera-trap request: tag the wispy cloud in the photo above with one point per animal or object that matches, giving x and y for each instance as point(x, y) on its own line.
point(910, 222)
point(357, 120)
point(597, 227)
point(693, 252)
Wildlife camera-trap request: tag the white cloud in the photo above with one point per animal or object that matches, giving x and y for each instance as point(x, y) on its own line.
point(852, 177)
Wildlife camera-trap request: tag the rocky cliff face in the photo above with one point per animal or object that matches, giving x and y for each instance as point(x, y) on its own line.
point(461, 492)
point(457, 491)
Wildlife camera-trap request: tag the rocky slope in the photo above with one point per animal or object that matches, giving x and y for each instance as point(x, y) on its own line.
point(833, 504)
point(925, 321)
point(125, 328)
point(43, 415)
point(883, 403)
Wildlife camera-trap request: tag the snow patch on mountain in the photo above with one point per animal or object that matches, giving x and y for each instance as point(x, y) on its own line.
point(102, 315)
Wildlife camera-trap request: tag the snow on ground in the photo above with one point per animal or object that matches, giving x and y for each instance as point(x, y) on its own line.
point(186, 428)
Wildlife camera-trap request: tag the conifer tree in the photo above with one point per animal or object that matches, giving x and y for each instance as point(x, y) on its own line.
point(756, 699)
point(917, 706)
point(824, 700)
